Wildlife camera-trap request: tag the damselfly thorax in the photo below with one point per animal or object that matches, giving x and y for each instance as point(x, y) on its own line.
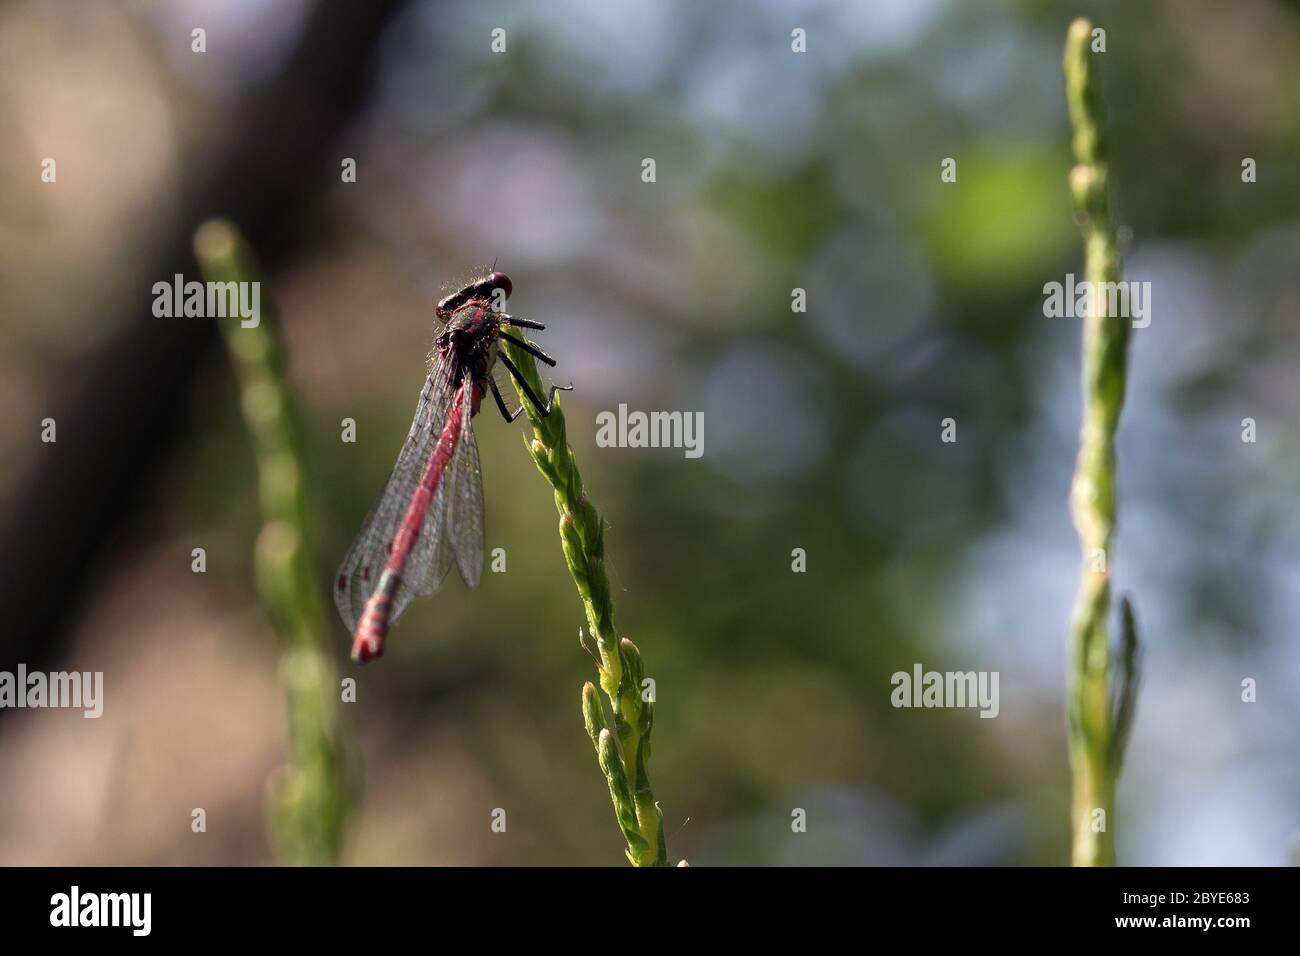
point(468, 342)
point(431, 511)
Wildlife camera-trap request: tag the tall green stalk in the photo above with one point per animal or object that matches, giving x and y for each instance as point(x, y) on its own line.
point(1099, 721)
point(309, 801)
point(623, 752)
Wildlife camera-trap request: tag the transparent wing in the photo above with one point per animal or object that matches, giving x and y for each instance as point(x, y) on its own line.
point(466, 518)
point(365, 561)
point(454, 529)
point(431, 556)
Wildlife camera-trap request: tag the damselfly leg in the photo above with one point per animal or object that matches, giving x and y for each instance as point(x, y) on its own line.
point(532, 348)
point(542, 410)
point(522, 323)
point(508, 415)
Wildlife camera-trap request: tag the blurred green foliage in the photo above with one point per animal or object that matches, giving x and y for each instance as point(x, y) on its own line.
point(309, 799)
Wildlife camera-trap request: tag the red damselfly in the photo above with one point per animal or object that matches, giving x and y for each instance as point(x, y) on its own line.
point(431, 511)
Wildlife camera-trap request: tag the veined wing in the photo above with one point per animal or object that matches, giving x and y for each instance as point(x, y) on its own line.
point(465, 520)
point(431, 553)
point(453, 529)
point(365, 561)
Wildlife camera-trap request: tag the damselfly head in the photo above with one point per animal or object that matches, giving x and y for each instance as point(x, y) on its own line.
point(482, 289)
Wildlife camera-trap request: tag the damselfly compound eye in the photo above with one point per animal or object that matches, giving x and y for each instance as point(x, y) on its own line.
point(500, 280)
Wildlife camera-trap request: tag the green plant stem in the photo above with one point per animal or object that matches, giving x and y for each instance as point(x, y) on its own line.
point(623, 752)
point(1098, 723)
point(309, 797)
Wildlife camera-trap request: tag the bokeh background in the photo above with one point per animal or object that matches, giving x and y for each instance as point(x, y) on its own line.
point(775, 170)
